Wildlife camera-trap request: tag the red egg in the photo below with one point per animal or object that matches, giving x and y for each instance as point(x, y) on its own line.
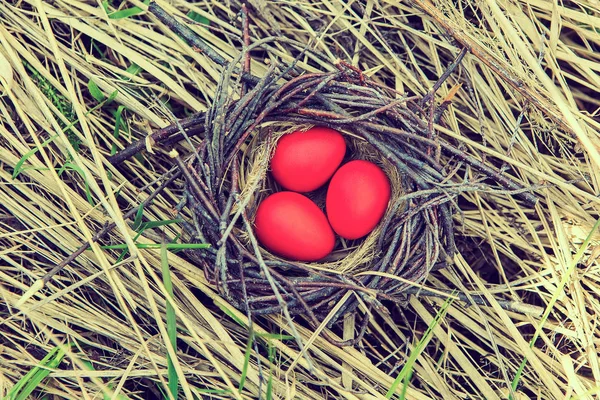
point(292, 225)
point(357, 198)
point(304, 161)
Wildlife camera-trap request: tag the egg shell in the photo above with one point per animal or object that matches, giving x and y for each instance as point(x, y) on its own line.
point(357, 198)
point(304, 161)
point(292, 226)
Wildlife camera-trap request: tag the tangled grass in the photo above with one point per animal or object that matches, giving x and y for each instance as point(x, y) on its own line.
point(130, 317)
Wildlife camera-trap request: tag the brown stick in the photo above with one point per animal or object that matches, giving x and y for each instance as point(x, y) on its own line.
point(246, 36)
point(196, 121)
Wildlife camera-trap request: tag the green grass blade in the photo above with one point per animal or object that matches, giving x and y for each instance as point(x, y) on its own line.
point(88, 191)
point(118, 121)
point(405, 385)
point(274, 336)
point(409, 364)
point(193, 15)
point(98, 95)
point(271, 352)
point(28, 383)
point(175, 239)
point(139, 215)
point(247, 355)
point(156, 224)
point(133, 69)
point(232, 315)
point(173, 382)
point(125, 13)
point(105, 396)
point(19, 165)
point(111, 97)
point(95, 91)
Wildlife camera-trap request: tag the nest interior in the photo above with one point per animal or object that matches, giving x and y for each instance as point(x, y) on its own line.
point(256, 184)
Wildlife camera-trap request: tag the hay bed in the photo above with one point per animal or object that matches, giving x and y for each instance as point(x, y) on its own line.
point(525, 107)
point(415, 236)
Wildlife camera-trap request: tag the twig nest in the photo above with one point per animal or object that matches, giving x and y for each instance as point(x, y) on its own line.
point(232, 177)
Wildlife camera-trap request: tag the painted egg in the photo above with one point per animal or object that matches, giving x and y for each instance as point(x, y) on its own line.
point(357, 198)
point(292, 226)
point(304, 161)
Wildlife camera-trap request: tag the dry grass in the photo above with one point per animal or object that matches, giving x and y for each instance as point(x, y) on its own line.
point(528, 103)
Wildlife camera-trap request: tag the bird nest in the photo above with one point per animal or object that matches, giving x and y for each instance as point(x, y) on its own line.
point(228, 175)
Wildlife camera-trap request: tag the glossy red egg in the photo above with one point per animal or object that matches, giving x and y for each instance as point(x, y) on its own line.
point(357, 198)
point(304, 161)
point(292, 226)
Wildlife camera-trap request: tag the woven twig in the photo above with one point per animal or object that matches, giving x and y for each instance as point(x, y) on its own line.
point(415, 236)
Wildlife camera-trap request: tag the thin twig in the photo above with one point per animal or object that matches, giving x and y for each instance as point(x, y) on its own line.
point(280, 300)
point(246, 41)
